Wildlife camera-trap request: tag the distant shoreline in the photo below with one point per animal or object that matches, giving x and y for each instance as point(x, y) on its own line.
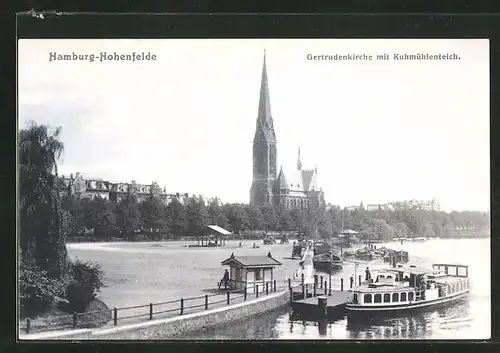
point(123, 240)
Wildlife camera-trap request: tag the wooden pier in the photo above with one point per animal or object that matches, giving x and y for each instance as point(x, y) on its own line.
point(329, 306)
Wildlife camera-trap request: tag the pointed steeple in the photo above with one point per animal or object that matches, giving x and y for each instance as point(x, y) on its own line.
point(299, 163)
point(265, 119)
point(264, 102)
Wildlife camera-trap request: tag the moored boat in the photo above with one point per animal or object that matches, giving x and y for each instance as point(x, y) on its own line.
point(329, 262)
point(404, 288)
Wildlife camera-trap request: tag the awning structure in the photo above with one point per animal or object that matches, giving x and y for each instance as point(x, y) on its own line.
point(211, 232)
point(219, 230)
point(349, 231)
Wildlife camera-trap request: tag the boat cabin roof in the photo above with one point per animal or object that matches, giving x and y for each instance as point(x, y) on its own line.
point(449, 265)
point(410, 270)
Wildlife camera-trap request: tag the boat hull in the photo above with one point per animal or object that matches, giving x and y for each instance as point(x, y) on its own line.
point(355, 309)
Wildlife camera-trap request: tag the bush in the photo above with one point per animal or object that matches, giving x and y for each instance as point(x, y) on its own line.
point(37, 290)
point(86, 282)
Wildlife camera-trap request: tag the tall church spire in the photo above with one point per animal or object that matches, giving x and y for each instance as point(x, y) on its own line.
point(299, 163)
point(264, 149)
point(265, 116)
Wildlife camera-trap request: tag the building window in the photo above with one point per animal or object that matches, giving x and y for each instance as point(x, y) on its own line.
point(410, 296)
point(395, 297)
point(367, 298)
point(258, 275)
point(377, 298)
point(387, 298)
point(355, 298)
point(403, 297)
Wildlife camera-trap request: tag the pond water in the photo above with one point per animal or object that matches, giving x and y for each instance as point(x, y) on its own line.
point(467, 319)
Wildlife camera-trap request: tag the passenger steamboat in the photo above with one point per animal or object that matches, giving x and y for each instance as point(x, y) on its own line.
point(404, 288)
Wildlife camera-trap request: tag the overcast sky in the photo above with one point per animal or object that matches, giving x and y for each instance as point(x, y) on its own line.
point(378, 130)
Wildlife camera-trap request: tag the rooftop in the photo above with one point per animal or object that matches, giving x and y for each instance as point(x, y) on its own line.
point(252, 261)
point(219, 230)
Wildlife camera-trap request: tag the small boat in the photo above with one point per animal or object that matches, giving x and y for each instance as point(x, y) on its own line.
point(405, 288)
point(327, 262)
point(364, 254)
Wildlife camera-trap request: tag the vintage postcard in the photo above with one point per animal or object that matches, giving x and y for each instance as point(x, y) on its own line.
point(254, 189)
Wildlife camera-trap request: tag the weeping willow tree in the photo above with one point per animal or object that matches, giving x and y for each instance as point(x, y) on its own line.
point(42, 240)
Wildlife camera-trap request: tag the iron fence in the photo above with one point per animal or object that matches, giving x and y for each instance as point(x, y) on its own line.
point(165, 309)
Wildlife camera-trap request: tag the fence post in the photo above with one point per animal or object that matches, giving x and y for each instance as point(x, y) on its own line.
point(303, 292)
point(267, 288)
point(206, 301)
point(314, 288)
point(330, 285)
point(352, 280)
point(315, 279)
point(182, 306)
point(303, 279)
point(150, 311)
point(275, 286)
point(115, 316)
point(326, 289)
point(291, 295)
point(28, 325)
point(228, 298)
point(245, 294)
point(341, 284)
point(289, 283)
point(257, 290)
point(307, 291)
point(74, 319)
point(321, 285)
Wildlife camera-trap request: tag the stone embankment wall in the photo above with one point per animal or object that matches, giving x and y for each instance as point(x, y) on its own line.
point(172, 328)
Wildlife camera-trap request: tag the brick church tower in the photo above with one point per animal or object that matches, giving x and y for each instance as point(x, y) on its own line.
point(264, 149)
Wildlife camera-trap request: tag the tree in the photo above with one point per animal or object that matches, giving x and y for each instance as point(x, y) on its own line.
point(237, 217)
point(129, 217)
point(401, 230)
point(154, 215)
point(42, 240)
point(300, 219)
point(285, 220)
point(255, 218)
point(197, 217)
point(378, 229)
point(270, 220)
point(216, 213)
point(176, 217)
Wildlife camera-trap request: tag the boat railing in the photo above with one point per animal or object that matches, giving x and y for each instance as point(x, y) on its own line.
point(452, 269)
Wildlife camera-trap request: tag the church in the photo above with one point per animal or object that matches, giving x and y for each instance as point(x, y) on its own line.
point(297, 190)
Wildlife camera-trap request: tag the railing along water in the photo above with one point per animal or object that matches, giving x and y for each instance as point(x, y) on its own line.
point(170, 308)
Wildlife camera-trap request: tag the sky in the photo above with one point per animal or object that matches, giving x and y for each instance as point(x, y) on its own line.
point(377, 131)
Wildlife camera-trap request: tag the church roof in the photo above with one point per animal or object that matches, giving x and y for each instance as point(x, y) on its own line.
point(299, 180)
point(282, 179)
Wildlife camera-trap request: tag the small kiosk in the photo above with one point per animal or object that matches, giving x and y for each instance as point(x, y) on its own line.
point(251, 271)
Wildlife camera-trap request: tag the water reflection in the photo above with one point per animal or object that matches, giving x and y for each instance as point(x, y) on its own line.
point(404, 325)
